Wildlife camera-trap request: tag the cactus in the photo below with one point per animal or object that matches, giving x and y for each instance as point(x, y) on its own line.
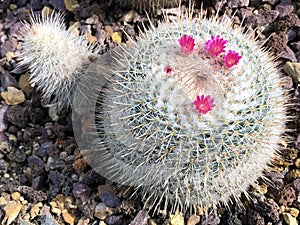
point(191, 114)
point(56, 57)
point(147, 5)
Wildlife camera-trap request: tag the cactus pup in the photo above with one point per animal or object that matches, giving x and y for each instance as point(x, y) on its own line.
point(55, 57)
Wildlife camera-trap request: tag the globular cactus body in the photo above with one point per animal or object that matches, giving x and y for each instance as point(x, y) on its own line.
point(56, 57)
point(154, 136)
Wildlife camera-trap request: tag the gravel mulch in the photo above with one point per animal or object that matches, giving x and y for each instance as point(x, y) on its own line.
point(44, 179)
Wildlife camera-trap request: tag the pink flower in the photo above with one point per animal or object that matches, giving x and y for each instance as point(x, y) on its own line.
point(187, 44)
point(204, 104)
point(231, 58)
point(215, 45)
point(168, 70)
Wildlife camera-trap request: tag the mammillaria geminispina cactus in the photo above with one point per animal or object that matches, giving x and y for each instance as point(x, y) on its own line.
point(191, 114)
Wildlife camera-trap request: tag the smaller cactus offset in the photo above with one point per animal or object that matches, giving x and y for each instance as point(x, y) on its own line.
point(56, 57)
point(191, 114)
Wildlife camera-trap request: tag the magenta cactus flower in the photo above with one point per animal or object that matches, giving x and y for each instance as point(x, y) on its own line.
point(187, 44)
point(231, 58)
point(216, 45)
point(204, 104)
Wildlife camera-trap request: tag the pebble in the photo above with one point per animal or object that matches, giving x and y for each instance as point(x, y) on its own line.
point(128, 16)
point(294, 212)
point(101, 211)
point(49, 220)
point(110, 200)
point(80, 165)
point(68, 218)
point(117, 37)
point(289, 219)
point(35, 210)
point(193, 220)
point(16, 196)
point(284, 8)
point(210, 220)
point(114, 220)
point(17, 115)
point(12, 210)
point(237, 3)
point(13, 96)
point(293, 174)
point(287, 196)
point(71, 5)
point(24, 84)
point(176, 219)
point(81, 191)
point(293, 70)
point(55, 177)
point(36, 164)
point(9, 45)
point(3, 121)
point(141, 218)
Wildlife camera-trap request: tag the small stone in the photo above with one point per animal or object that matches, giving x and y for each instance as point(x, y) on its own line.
point(24, 84)
point(293, 70)
point(296, 185)
point(114, 220)
point(81, 191)
point(68, 218)
point(193, 220)
point(13, 96)
point(55, 177)
point(83, 221)
point(12, 210)
point(17, 115)
point(58, 4)
point(3, 201)
point(289, 219)
point(297, 163)
point(237, 3)
point(284, 8)
point(294, 212)
point(177, 219)
point(141, 218)
point(80, 165)
point(44, 148)
point(49, 220)
point(101, 211)
point(35, 210)
point(117, 37)
point(288, 54)
point(16, 196)
point(129, 16)
point(36, 164)
point(71, 5)
point(9, 56)
point(110, 200)
point(7, 80)
point(287, 196)
point(3, 120)
point(210, 220)
point(293, 174)
point(10, 45)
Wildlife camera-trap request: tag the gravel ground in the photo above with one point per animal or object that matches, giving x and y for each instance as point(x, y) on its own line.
point(43, 177)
